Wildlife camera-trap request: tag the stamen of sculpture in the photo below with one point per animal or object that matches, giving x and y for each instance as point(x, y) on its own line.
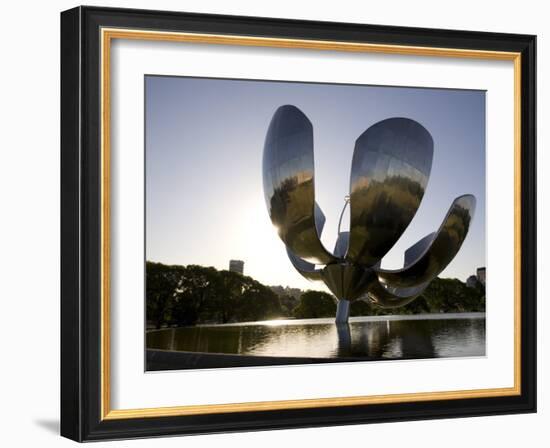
point(389, 172)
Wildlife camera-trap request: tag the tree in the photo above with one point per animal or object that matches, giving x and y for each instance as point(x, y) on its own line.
point(162, 284)
point(190, 295)
point(197, 287)
point(257, 302)
point(225, 290)
point(365, 308)
point(288, 303)
point(446, 295)
point(315, 304)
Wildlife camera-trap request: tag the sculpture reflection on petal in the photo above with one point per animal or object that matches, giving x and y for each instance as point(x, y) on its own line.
point(389, 173)
point(289, 184)
point(391, 166)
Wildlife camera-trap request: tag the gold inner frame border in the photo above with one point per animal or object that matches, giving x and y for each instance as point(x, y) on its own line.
point(107, 35)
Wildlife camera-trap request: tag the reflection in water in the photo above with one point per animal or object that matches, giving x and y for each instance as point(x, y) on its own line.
point(343, 331)
point(384, 337)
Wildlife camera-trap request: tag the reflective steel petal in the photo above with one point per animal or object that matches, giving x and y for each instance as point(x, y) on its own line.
point(319, 218)
point(386, 297)
point(413, 253)
point(437, 251)
point(289, 184)
point(341, 246)
point(305, 269)
point(347, 281)
point(390, 169)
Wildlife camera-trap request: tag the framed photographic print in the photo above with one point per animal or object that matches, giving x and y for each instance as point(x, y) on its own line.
point(271, 224)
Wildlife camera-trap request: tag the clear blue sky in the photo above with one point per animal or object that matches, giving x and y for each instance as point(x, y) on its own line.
point(204, 143)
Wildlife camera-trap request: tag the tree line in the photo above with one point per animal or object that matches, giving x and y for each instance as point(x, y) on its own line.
point(192, 294)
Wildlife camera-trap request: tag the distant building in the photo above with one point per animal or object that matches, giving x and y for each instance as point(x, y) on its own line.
point(471, 281)
point(481, 275)
point(236, 266)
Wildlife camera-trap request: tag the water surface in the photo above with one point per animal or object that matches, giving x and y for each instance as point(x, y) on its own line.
point(380, 337)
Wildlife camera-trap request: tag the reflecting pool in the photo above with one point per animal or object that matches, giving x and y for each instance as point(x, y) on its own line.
point(374, 338)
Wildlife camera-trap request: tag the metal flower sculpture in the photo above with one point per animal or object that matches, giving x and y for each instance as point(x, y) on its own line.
point(390, 170)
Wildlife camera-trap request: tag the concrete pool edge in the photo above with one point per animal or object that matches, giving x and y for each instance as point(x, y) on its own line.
point(163, 360)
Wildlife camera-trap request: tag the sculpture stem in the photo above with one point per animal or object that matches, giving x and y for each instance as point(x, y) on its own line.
point(342, 311)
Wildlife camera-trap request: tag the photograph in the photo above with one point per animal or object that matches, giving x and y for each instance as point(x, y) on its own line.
point(293, 222)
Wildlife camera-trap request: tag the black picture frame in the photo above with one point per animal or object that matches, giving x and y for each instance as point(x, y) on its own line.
point(81, 381)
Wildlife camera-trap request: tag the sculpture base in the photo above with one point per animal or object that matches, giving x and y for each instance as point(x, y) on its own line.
point(342, 311)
